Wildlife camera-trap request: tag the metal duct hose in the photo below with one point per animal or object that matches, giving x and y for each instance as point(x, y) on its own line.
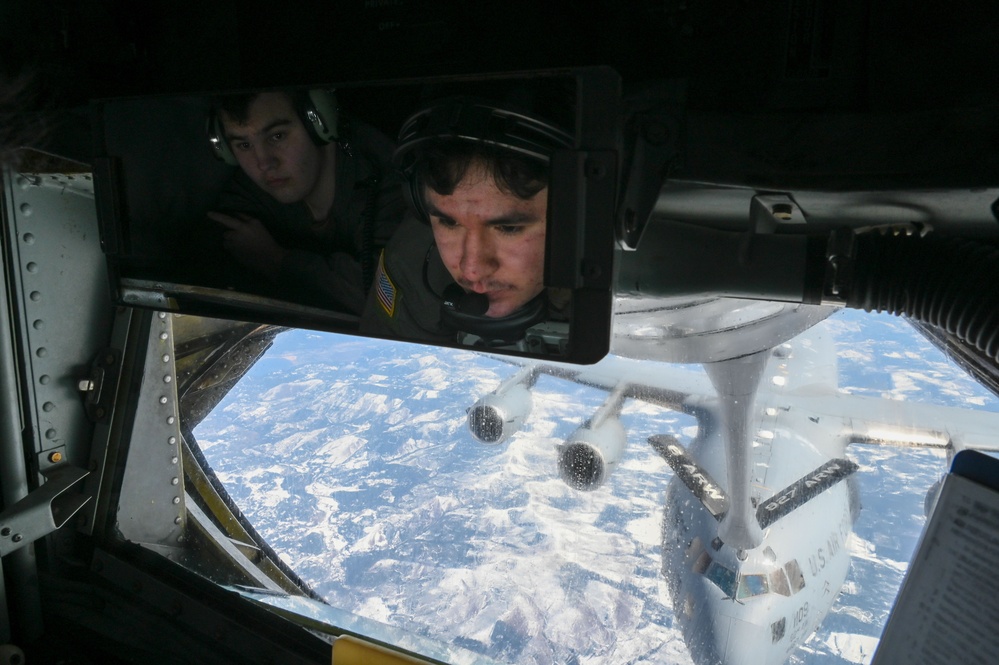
point(951, 283)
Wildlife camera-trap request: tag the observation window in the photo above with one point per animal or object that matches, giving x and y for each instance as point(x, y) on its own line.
point(353, 463)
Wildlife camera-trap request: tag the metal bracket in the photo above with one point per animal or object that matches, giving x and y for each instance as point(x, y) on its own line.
point(43, 510)
point(100, 385)
point(652, 151)
point(767, 212)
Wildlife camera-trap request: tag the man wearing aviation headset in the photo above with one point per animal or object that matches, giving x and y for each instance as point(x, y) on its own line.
point(470, 269)
point(313, 201)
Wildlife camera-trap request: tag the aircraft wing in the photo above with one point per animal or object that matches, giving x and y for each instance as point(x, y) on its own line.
point(666, 385)
point(802, 373)
point(892, 422)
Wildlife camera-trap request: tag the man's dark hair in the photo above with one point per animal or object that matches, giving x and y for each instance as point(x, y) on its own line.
point(512, 132)
point(237, 105)
point(442, 164)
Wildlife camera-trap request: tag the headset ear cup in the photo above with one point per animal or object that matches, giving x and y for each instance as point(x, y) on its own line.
point(217, 141)
point(321, 116)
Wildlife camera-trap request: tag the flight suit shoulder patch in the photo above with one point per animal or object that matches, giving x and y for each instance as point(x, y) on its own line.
point(385, 289)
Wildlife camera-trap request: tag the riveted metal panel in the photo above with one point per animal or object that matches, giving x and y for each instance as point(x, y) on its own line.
point(151, 504)
point(61, 292)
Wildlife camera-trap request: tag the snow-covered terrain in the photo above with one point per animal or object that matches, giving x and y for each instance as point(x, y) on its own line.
point(352, 458)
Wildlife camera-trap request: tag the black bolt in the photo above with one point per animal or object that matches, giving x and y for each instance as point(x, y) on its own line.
point(591, 270)
point(595, 169)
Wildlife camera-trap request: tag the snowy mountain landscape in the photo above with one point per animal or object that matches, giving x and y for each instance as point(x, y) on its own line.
point(353, 460)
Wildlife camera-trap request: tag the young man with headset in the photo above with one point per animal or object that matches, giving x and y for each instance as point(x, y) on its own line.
point(314, 198)
point(469, 269)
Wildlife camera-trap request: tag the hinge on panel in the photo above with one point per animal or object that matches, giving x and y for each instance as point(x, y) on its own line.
point(99, 386)
point(43, 510)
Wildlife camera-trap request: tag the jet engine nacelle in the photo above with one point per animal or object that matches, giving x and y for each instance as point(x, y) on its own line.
point(589, 455)
point(497, 416)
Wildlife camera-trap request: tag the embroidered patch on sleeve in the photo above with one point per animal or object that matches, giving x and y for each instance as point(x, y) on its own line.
point(384, 288)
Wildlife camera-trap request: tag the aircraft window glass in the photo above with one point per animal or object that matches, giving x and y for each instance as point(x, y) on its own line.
point(353, 460)
point(723, 577)
point(753, 585)
point(795, 576)
point(778, 582)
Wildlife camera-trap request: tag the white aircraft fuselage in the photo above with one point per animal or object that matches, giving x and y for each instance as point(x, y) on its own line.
point(757, 606)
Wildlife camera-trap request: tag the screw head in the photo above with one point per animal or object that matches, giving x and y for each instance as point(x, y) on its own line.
point(595, 169)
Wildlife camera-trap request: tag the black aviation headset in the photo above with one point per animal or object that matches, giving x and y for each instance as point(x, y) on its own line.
point(476, 121)
point(317, 109)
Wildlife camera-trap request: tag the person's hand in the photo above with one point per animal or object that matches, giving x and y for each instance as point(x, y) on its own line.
point(250, 243)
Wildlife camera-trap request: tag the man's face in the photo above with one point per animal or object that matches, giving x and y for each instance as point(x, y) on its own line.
point(491, 241)
point(274, 149)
